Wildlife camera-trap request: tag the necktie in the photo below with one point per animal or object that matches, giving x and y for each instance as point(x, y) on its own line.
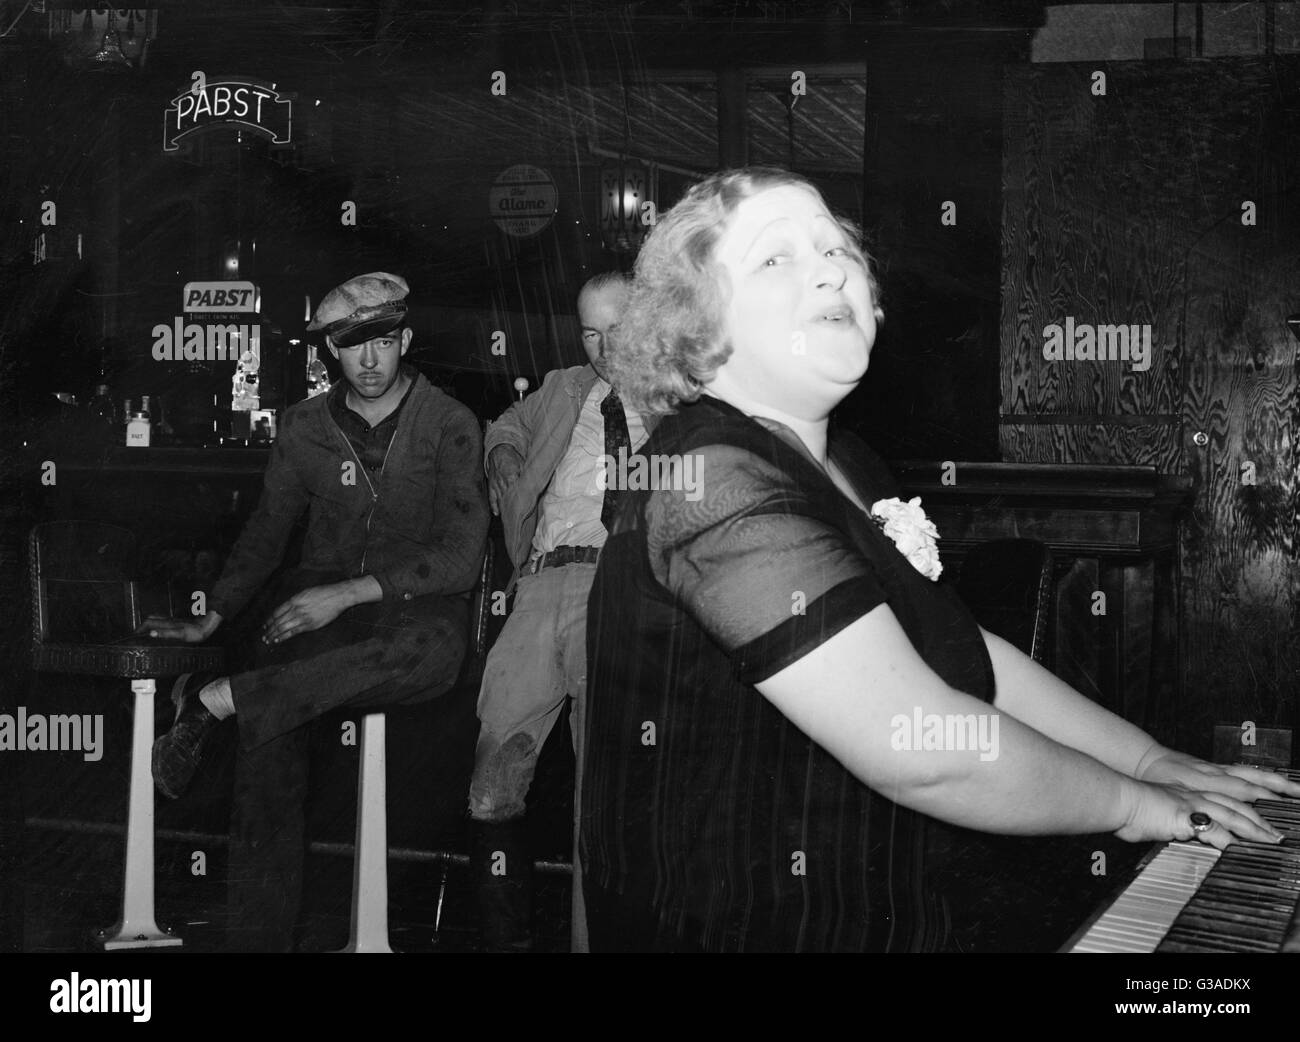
point(616, 437)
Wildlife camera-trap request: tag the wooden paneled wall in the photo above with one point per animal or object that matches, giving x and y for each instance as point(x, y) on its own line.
point(1128, 209)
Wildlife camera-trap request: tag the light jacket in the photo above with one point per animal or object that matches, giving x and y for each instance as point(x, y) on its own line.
point(539, 428)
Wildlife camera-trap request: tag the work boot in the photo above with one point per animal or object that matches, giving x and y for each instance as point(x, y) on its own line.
point(503, 876)
point(178, 753)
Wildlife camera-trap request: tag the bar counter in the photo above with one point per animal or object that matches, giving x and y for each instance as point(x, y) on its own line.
point(197, 461)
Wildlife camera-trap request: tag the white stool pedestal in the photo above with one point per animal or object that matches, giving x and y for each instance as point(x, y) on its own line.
point(370, 863)
point(137, 927)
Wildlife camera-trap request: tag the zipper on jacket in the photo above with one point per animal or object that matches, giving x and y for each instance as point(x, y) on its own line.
point(374, 495)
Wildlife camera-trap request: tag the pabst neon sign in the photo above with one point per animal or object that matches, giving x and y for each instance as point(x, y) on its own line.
point(228, 101)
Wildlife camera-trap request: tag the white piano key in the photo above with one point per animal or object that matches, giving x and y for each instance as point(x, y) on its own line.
point(1141, 916)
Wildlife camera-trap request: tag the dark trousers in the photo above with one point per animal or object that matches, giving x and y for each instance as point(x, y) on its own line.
point(373, 655)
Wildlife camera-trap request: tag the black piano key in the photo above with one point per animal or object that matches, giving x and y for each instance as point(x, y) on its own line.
point(1237, 927)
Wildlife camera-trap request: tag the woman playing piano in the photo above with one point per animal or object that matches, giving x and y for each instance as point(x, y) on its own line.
point(778, 685)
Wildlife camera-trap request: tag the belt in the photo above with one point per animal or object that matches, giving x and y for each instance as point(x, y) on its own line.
point(563, 555)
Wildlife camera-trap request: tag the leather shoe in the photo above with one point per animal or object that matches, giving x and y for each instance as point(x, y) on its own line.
point(177, 754)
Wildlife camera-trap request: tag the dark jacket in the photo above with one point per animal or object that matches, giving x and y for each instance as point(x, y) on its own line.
point(421, 532)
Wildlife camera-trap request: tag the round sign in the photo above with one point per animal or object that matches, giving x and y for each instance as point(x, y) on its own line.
point(523, 200)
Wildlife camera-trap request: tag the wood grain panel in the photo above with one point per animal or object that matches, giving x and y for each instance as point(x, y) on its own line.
point(1240, 575)
point(1079, 242)
point(1154, 444)
point(1128, 209)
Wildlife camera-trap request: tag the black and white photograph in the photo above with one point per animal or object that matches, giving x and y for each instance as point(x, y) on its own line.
point(387, 396)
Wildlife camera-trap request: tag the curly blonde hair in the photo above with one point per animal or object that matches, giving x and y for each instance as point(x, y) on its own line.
point(670, 340)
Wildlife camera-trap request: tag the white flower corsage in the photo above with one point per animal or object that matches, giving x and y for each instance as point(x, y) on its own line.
point(912, 532)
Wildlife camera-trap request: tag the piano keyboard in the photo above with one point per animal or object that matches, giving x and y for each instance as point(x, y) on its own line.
point(1188, 897)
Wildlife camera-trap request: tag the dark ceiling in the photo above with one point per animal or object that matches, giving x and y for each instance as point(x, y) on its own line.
point(393, 110)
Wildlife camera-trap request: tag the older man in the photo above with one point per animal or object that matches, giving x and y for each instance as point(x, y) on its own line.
point(385, 468)
point(544, 458)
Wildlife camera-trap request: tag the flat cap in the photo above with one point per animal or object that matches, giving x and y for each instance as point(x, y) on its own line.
point(362, 308)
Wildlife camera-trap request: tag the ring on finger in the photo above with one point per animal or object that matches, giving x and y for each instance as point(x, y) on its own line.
point(1201, 822)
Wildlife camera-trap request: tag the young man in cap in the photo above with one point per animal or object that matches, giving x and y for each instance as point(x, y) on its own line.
point(386, 469)
point(543, 458)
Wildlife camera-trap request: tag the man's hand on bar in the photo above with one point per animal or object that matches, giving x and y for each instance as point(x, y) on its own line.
point(191, 631)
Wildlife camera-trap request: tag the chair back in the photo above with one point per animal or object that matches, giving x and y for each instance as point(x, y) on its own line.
point(1007, 584)
point(81, 579)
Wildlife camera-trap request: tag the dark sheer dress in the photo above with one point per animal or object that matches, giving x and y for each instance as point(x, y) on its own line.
point(710, 822)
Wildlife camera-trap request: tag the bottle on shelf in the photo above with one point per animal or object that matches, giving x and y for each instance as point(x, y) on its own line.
point(101, 408)
point(318, 377)
point(138, 431)
point(139, 425)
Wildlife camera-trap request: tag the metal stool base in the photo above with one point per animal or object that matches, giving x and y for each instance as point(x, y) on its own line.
point(119, 938)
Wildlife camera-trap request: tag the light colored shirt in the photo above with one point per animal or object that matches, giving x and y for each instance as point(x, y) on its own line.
point(570, 512)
